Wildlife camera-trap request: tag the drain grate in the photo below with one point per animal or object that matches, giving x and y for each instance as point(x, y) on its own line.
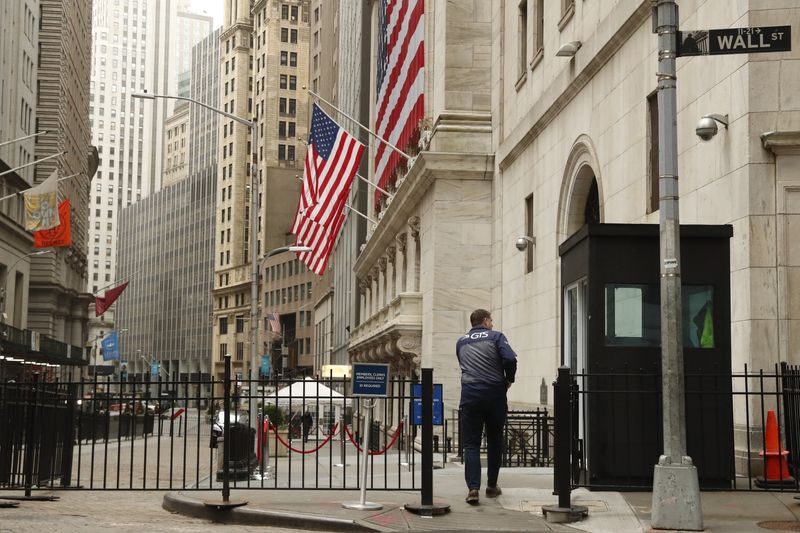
point(780, 525)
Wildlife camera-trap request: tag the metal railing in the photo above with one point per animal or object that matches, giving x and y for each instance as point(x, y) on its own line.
point(743, 428)
point(107, 434)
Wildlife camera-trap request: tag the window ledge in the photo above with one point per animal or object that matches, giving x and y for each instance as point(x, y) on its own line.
point(566, 17)
point(537, 58)
point(521, 81)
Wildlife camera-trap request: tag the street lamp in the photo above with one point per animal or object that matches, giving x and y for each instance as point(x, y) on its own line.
point(253, 249)
point(4, 280)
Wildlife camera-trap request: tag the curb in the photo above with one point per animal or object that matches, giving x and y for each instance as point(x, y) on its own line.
point(178, 503)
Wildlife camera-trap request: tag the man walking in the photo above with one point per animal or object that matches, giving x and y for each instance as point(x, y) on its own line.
point(488, 365)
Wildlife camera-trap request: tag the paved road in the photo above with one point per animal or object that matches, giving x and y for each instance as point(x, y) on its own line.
point(103, 511)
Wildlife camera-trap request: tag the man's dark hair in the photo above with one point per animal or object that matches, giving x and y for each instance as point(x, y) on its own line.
point(478, 316)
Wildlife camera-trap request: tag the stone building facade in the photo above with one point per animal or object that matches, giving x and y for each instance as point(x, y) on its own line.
point(524, 143)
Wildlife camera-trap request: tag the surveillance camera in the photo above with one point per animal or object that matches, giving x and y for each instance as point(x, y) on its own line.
point(522, 242)
point(706, 128)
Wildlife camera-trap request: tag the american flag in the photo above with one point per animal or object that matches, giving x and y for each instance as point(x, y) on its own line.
point(274, 322)
point(400, 103)
point(331, 163)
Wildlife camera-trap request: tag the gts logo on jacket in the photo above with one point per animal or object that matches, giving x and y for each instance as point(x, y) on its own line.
point(485, 357)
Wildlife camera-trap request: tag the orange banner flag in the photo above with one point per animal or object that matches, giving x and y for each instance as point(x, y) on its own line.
point(60, 235)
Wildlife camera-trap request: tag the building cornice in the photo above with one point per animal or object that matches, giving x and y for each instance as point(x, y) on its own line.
point(781, 142)
point(427, 167)
point(567, 85)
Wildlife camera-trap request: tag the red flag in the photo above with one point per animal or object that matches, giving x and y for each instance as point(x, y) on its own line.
point(60, 235)
point(102, 303)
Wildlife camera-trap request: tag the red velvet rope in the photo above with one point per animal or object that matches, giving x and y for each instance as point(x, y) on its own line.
point(296, 450)
point(381, 452)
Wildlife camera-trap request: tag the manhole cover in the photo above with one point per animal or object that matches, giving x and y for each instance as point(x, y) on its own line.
point(780, 525)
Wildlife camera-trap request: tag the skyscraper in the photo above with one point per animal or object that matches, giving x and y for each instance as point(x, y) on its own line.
point(139, 45)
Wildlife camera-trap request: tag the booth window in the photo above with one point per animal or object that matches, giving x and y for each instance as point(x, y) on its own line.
point(633, 315)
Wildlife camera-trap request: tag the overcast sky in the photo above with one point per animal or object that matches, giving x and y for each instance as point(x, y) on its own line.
point(215, 8)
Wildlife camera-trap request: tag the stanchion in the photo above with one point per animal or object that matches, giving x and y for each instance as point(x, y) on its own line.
point(363, 504)
point(427, 507)
point(226, 502)
point(564, 511)
point(342, 443)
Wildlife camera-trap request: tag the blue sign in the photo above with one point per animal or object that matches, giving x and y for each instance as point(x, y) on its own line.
point(110, 346)
point(154, 369)
point(370, 379)
point(416, 404)
point(265, 365)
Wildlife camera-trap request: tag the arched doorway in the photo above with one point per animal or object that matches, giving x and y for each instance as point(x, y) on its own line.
point(580, 201)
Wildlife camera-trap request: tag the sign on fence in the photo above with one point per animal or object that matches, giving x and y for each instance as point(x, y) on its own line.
point(416, 404)
point(370, 379)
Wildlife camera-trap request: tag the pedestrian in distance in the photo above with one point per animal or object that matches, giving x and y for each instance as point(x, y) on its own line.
point(307, 422)
point(488, 365)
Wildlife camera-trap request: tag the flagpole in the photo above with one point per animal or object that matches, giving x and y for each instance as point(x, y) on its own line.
point(20, 193)
point(359, 213)
point(12, 141)
point(32, 163)
point(381, 139)
point(116, 282)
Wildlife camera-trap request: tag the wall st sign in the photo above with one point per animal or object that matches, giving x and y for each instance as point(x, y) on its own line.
point(735, 41)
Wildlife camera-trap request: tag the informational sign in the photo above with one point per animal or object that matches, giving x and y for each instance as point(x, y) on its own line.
point(735, 41)
point(370, 379)
point(416, 404)
point(265, 365)
point(154, 369)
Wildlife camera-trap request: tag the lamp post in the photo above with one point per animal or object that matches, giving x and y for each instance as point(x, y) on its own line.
point(4, 280)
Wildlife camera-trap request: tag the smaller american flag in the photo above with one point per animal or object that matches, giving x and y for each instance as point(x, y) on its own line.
point(274, 322)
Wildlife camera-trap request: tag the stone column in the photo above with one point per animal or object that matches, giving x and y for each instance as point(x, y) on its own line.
point(400, 260)
point(391, 274)
point(374, 288)
point(412, 255)
point(382, 300)
point(362, 293)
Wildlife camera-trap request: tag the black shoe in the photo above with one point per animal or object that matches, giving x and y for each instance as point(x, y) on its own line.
point(473, 498)
point(493, 492)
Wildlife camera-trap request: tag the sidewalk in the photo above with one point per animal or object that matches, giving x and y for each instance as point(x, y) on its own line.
point(525, 490)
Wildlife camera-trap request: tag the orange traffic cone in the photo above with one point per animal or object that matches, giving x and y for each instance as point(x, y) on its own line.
point(776, 471)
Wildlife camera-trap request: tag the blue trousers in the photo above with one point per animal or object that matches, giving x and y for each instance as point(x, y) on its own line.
point(477, 414)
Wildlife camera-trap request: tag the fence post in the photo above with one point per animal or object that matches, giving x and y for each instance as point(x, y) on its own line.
point(69, 437)
point(30, 441)
point(226, 503)
point(427, 507)
point(564, 511)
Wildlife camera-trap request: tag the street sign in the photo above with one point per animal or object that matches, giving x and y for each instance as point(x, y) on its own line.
point(265, 365)
point(416, 404)
point(370, 379)
point(753, 40)
point(154, 369)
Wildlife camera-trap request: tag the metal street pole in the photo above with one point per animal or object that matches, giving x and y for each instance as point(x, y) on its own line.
point(676, 491)
point(254, 210)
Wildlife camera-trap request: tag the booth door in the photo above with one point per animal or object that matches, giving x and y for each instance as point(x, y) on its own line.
point(576, 312)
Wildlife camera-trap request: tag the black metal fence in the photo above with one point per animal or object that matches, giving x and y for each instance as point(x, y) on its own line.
point(742, 429)
point(527, 438)
point(162, 434)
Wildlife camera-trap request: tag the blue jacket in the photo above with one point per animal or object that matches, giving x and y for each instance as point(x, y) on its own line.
point(487, 361)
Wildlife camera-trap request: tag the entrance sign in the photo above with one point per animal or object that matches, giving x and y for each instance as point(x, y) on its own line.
point(735, 41)
point(416, 404)
point(370, 379)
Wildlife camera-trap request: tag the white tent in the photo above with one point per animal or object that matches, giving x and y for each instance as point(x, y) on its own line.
point(307, 391)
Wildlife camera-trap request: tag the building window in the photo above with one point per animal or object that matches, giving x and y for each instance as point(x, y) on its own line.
point(284, 58)
point(652, 152)
point(285, 12)
point(283, 81)
point(240, 322)
point(281, 152)
point(282, 106)
point(285, 35)
point(292, 60)
point(293, 38)
point(292, 106)
point(529, 232)
point(291, 130)
point(290, 152)
point(282, 129)
point(522, 39)
point(293, 82)
point(538, 29)
point(223, 325)
point(223, 350)
point(239, 351)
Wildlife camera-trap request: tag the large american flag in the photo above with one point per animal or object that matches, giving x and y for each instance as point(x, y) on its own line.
point(331, 163)
point(400, 102)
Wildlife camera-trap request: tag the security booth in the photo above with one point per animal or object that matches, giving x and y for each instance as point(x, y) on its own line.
point(610, 290)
